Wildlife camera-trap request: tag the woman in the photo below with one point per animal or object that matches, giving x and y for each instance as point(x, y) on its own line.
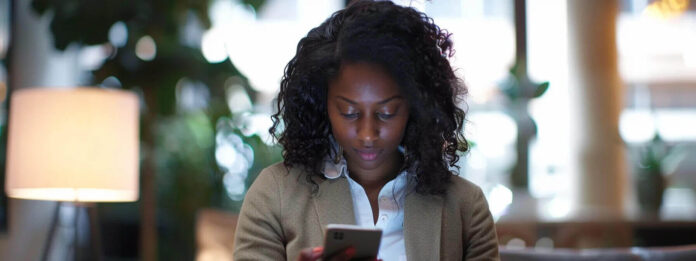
point(370, 129)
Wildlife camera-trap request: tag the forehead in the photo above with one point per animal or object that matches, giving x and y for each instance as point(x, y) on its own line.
point(363, 82)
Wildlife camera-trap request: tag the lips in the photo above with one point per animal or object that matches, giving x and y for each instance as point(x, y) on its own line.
point(368, 154)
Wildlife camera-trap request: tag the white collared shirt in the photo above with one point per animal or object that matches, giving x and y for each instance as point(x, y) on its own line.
point(391, 209)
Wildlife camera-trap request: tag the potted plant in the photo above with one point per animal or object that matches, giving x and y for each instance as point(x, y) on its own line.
point(655, 159)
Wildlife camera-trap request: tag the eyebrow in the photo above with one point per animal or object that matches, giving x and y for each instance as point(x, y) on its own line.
point(380, 102)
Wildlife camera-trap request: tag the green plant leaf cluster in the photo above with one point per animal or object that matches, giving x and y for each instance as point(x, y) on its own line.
point(656, 156)
point(516, 85)
point(88, 22)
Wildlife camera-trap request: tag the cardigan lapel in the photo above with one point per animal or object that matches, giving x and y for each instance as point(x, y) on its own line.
point(422, 226)
point(333, 203)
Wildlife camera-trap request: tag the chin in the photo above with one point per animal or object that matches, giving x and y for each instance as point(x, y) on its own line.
point(369, 165)
point(363, 164)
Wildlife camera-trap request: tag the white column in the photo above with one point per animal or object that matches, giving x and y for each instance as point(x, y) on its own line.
point(595, 94)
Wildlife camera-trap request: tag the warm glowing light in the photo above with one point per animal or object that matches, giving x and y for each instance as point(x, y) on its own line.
point(145, 48)
point(667, 8)
point(73, 145)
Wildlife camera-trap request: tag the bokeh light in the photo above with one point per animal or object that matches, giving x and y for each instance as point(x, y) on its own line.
point(118, 34)
point(237, 99)
point(213, 46)
point(255, 124)
point(234, 157)
point(559, 207)
point(637, 126)
point(499, 199)
point(92, 57)
point(544, 243)
point(516, 243)
point(111, 81)
point(145, 48)
point(666, 8)
point(191, 95)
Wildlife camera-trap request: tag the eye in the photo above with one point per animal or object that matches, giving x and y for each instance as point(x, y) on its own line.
point(385, 116)
point(350, 116)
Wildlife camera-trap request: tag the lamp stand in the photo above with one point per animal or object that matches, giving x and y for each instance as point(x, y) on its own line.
point(86, 239)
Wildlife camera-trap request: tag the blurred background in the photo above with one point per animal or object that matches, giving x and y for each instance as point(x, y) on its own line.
point(582, 114)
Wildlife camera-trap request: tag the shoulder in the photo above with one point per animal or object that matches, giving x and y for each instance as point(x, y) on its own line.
point(478, 226)
point(282, 177)
point(277, 172)
point(464, 196)
point(464, 191)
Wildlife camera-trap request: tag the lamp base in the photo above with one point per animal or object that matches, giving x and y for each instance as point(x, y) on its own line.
point(74, 233)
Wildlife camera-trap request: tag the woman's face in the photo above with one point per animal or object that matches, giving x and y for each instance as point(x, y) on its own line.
point(368, 115)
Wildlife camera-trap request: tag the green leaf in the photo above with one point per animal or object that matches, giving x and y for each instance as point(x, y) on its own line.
point(256, 4)
point(513, 69)
point(541, 89)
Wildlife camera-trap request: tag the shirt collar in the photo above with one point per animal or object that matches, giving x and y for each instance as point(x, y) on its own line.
point(334, 170)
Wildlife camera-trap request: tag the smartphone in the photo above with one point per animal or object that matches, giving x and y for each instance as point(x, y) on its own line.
point(339, 237)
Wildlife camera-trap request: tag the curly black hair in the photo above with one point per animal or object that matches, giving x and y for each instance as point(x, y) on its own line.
point(413, 50)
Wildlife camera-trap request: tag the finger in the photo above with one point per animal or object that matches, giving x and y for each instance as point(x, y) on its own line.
point(344, 254)
point(317, 252)
point(347, 254)
point(310, 254)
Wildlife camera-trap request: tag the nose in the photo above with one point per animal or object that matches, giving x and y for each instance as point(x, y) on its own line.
point(368, 131)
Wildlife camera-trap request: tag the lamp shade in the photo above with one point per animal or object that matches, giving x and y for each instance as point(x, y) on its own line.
point(78, 144)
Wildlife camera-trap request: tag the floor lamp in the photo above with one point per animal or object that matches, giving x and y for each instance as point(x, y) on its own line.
point(77, 145)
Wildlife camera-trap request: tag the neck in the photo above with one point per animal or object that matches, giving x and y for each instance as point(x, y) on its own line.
point(375, 179)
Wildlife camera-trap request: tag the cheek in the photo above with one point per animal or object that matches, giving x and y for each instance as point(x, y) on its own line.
point(394, 133)
point(339, 129)
point(341, 133)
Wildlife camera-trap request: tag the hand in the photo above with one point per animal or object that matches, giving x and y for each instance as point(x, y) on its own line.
point(312, 254)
